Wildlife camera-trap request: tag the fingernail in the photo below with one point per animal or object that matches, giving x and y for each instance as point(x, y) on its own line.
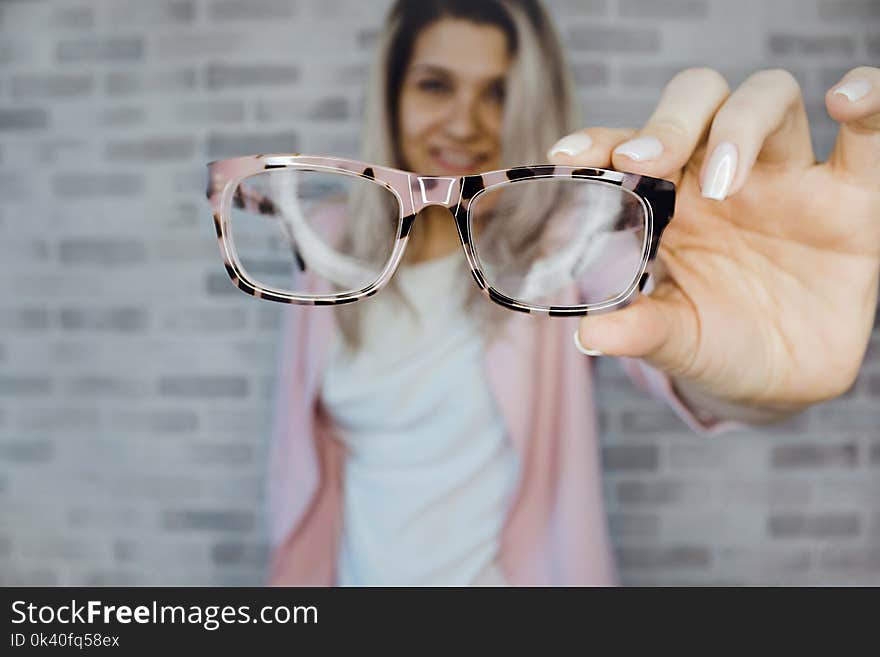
point(854, 89)
point(571, 145)
point(719, 172)
point(581, 348)
point(641, 148)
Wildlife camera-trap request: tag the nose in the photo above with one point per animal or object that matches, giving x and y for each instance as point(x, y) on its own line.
point(462, 122)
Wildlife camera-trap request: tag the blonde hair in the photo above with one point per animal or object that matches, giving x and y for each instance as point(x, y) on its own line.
point(539, 107)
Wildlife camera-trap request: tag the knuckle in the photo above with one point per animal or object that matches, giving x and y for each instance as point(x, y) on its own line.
point(735, 112)
point(674, 131)
point(776, 78)
point(869, 71)
point(704, 76)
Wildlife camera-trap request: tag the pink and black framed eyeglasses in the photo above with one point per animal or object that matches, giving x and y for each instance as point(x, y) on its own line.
point(547, 239)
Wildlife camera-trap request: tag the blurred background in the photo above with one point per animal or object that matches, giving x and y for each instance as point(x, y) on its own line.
point(136, 382)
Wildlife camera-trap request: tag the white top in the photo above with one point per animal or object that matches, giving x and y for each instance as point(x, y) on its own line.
point(429, 471)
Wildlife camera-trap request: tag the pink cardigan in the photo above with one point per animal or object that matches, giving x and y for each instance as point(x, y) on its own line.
point(556, 530)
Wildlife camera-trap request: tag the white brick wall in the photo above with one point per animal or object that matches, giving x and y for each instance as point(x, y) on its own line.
point(133, 421)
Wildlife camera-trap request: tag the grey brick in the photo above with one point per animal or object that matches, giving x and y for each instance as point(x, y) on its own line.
point(109, 387)
point(100, 50)
point(226, 553)
point(112, 578)
point(27, 451)
point(155, 421)
point(203, 386)
point(816, 525)
point(124, 550)
point(856, 558)
point(766, 559)
point(16, 386)
point(29, 251)
point(367, 38)
point(799, 44)
point(651, 421)
point(121, 117)
point(814, 456)
point(330, 109)
point(224, 76)
point(633, 525)
point(672, 9)
point(666, 491)
point(630, 457)
point(129, 82)
point(56, 547)
point(577, 8)
point(772, 492)
point(215, 111)
point(198, 45)
point(24, 319)
point(837, 417)
point(217, 283)
point(201, 320)
point(237, 10)
point(153, 486)
point(156, 12)
point(106, 252)
point(607, 39)
point(35, 577)
point(226, 454)
point(15, 186)
point(32, 118)
point(75, 17)
point(849, 10)
point(58, 419)
point(51, 86)
point(680, 556)
point(103, 319)
point(873, 385)
point(208, 520)
point(221, 146)
point(91, 185)
point(590, 74)
point(648, 76)
point(151, 149)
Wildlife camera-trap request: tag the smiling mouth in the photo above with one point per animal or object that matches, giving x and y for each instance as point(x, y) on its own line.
point(457, 161)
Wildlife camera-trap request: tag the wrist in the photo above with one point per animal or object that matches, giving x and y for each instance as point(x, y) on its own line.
point(705, 405)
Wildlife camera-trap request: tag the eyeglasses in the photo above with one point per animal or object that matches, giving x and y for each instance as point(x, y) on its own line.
point(548, 239)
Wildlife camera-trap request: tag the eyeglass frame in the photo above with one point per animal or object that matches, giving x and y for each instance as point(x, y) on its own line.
point(224, 191)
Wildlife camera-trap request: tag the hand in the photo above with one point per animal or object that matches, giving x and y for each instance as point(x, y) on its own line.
point(768, 272)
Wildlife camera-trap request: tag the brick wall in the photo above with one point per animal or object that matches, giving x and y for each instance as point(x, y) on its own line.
point(135, 381)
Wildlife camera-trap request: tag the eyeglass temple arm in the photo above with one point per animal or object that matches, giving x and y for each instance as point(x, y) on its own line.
point(247, 199)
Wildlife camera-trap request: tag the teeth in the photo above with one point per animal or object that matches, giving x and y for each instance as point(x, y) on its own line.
point(457, 159)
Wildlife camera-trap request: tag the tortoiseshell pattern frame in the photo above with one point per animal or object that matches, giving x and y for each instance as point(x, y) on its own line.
point(414, 192)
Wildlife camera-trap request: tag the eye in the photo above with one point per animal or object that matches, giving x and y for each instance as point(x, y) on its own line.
point(433, 85)
point(497, 91)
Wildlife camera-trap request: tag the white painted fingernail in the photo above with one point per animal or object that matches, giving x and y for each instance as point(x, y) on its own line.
point(720, 172)
point(854, 89)
point(571, 145)
point(641, 148)
point(581, 348)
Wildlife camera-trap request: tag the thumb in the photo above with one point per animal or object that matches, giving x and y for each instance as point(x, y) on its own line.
point(662, 329)
point(855, 103)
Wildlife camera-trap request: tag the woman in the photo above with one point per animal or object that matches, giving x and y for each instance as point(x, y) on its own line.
point(485, 471)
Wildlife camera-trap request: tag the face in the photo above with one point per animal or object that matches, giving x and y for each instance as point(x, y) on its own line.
point(452, 99)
